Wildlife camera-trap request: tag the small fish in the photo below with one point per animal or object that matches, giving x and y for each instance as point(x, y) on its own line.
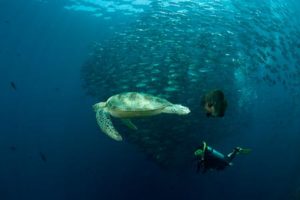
point(13, 85)
point(43, 157)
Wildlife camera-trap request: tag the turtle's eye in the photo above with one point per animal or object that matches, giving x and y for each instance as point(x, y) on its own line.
point(209, 104)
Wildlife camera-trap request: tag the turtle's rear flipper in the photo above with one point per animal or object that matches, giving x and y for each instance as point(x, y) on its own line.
point(105, 124)
point(129, 123)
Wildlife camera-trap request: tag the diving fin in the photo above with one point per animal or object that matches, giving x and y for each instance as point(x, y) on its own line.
point(244, 151)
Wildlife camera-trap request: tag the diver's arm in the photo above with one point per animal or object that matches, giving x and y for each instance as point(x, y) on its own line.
point(200, 165)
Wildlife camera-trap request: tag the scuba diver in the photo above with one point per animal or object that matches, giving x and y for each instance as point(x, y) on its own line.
point(209, 158)
point(214, 103)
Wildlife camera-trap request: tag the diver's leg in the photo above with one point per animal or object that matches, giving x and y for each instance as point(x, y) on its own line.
point(232, 155)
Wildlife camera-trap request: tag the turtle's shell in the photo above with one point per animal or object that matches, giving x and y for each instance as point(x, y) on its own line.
point(136, 102)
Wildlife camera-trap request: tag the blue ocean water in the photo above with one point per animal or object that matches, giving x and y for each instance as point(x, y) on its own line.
point(51, 147)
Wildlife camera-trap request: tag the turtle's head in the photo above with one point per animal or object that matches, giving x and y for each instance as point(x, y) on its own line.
point(98, 106)
point(181, 110)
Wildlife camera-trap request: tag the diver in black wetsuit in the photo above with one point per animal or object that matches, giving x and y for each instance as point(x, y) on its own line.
point(209, 158)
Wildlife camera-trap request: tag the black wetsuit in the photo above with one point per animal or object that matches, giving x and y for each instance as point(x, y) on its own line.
point(213, 159)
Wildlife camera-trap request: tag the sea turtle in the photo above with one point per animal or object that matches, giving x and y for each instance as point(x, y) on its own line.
point(130, 105)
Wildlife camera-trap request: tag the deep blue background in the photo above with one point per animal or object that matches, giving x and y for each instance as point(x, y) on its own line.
point(42, 49)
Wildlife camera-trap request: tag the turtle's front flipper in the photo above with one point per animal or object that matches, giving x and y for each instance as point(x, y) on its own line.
point(105, 124)
point(129, 123)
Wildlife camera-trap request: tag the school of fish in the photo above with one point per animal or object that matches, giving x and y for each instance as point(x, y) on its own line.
point(178, 50)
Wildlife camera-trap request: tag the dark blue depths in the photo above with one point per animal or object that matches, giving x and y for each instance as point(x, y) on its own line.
point(51, 147)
